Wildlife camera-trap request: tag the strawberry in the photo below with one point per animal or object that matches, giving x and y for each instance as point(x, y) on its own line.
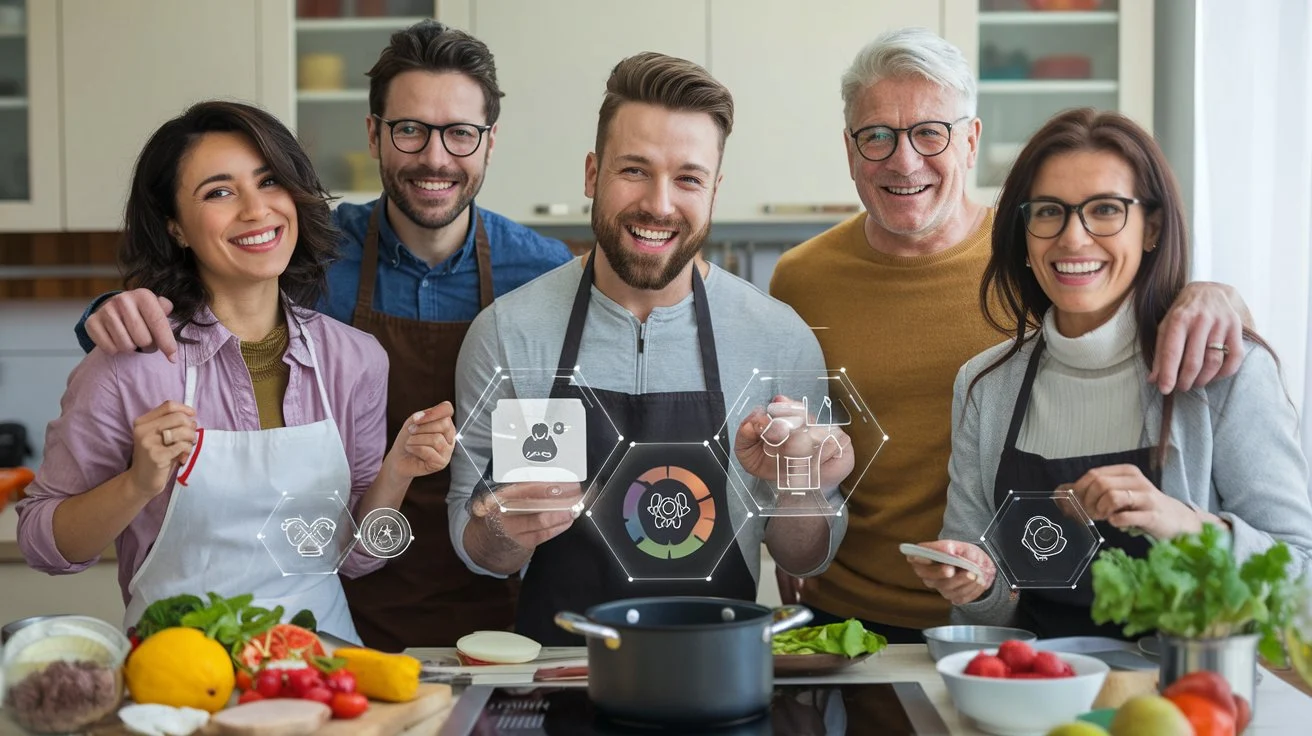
point(1018, 655)
point(987, 665)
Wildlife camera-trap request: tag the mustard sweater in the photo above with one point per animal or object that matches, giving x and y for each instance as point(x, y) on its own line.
point(269, 374)
point(902, 327)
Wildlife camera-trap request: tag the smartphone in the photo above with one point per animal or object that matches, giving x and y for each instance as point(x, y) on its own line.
point(933, 555)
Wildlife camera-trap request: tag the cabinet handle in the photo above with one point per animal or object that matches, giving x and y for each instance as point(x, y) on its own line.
point(811, 209)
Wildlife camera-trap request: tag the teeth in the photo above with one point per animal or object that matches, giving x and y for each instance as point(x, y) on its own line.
point(260, 239)
point(1081, 267)
point(651, 234)
point(434, 186)
point(907, 190)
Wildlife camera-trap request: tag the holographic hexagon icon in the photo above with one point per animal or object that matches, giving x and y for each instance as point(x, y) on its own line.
point(658, 513)
point(1042, 539)
point(518, 432)
point(309, 534)
point(799, 433)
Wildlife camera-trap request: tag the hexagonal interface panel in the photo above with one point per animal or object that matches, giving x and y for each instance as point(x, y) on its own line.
point(517, 433)
point(1041, 539)
point(309, 534)
point(659, 515)
point(804, 412)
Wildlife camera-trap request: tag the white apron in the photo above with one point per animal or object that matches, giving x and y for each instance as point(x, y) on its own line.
point(226, 490)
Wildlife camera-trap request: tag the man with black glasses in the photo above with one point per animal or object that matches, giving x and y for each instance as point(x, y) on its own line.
point(416, 266)
point(894, 294)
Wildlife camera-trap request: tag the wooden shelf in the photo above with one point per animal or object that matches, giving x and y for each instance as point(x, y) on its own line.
point(1047, 86)
point(332, 95)
point(1048, 18)
point(13, 103)
point(331, 25)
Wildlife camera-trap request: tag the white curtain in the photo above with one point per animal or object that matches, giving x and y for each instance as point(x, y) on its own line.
point(1253, 171)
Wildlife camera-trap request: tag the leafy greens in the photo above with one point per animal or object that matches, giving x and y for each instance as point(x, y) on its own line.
point(849, 638)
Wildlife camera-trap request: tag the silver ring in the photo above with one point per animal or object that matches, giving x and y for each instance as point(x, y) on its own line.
point(1218, 346)
point(167, 434)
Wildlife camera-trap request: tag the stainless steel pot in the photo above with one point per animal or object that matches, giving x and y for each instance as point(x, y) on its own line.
point(673, 661)
point(8, 630)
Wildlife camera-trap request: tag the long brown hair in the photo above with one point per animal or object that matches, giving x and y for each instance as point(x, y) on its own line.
point(1011, 287)
point(150, 257)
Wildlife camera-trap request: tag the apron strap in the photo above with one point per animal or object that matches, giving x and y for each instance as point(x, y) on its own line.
point(364, 299)
point(1023, 397)
point(483, 250)
point(314, 363)
point(569, 352)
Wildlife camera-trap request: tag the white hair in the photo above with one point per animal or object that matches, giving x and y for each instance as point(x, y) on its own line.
point(908, 52)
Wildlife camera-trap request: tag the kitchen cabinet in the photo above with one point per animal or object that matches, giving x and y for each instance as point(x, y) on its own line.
point(783, 59)
point(30, 158)
point(129, 65)
point(553, 59)
point(1035, 58)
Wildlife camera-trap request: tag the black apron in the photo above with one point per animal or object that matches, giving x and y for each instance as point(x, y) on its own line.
point(677, 507)
point(1054, 612)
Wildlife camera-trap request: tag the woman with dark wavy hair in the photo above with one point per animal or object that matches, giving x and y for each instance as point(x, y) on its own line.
point(245, 466)
point(1089, 251)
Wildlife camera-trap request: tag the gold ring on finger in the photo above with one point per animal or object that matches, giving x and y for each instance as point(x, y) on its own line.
point(167, 434)
point(1225, 350)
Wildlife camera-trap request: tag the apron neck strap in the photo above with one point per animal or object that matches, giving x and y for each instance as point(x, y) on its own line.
point(578, 317)
point(483, 251)
point(364, 299)
point(1023, 398)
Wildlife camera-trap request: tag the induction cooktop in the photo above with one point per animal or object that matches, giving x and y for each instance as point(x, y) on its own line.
point(888, 709)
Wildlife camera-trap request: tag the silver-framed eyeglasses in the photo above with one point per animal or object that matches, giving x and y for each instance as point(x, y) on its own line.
point(1102, 216)
point(928, 138)
point(412, 136)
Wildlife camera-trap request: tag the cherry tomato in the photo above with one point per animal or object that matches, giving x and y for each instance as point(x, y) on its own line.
point(250, 696)
point(319, 695)
point(244, 680)
point(300, 681)
point(349, 705)
point(269, 684)
point(341, 681)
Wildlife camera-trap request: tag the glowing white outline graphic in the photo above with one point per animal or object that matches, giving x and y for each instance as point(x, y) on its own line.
point(1081, 523)
point(733, 538)
point(489, 396)
point(370, 531)
point(857, 410)
point(276, 533)
point(1030, 538)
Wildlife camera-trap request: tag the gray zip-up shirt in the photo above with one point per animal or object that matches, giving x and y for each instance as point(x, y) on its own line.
point(522, 333)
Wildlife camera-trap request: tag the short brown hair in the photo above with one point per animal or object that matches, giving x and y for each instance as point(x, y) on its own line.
point(150, 257)
point(430, 46)
point(668, 82)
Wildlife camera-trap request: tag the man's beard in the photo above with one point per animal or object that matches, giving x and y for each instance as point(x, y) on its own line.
point(645, 270)
point(396, 186)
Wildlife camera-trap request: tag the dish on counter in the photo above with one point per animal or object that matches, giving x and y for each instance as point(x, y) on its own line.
point(822, 649)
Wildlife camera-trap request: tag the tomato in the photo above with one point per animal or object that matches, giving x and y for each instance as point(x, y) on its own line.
point(283, 641)
point(319, 695)
point(250, 696)
point(1207, 718)
point(244, 680)
point(341, 681)
point(1209, 685)
point(349, 705)
point(301, 681)
point(269, 684)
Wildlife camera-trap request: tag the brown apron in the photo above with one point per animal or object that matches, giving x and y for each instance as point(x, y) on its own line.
point(426, 597)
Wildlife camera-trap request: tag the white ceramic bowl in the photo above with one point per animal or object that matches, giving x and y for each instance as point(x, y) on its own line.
point(1015, 707)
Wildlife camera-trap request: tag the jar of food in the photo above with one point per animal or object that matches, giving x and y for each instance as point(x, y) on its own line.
point(63, 673)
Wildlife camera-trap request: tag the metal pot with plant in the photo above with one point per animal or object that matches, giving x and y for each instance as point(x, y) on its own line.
point(1210, 611)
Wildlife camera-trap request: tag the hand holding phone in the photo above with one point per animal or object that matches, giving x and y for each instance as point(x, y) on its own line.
point(933, 555)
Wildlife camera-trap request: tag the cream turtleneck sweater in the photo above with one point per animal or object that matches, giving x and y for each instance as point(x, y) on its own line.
point(1086, 396)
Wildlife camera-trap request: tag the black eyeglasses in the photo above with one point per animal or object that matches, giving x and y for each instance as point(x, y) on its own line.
point(459, 139)
point(928, 138)
point(1101, 216)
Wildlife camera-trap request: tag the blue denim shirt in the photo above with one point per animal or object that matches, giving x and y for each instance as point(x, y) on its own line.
point(447, 292)
point(406, 286)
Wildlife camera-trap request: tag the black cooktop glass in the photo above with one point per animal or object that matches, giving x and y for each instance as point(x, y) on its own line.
point(888, 709)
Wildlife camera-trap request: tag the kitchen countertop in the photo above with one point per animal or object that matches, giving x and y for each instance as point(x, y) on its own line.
point(1281, 708)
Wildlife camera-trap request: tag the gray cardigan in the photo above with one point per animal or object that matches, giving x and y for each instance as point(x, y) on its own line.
point(1234, 452)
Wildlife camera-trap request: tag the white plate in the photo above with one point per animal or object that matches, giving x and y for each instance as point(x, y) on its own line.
point(933, 555)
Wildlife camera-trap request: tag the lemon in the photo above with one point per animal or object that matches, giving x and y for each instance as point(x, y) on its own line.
point(183, 668)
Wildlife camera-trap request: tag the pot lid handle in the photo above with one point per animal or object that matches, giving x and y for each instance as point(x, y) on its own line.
point(576, 624)
point(786, 617)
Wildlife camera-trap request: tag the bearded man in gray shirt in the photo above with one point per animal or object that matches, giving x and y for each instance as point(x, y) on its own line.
point(656, 345)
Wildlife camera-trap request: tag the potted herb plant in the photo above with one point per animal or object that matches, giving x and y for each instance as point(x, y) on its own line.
point(1210, 612)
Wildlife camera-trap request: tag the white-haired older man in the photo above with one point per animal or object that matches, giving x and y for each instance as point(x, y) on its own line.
point(896, 291)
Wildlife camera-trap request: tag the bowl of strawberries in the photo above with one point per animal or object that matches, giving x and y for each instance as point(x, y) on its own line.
point(1016, 690)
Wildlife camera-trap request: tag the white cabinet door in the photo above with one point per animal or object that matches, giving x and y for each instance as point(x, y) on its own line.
point(553, 59)
point(128, 66)
point(782, 59)
point(29, 118)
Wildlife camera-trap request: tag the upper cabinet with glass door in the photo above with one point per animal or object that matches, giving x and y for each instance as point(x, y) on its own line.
point(337, 42)
point(29, 117)
point(1036, 58)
